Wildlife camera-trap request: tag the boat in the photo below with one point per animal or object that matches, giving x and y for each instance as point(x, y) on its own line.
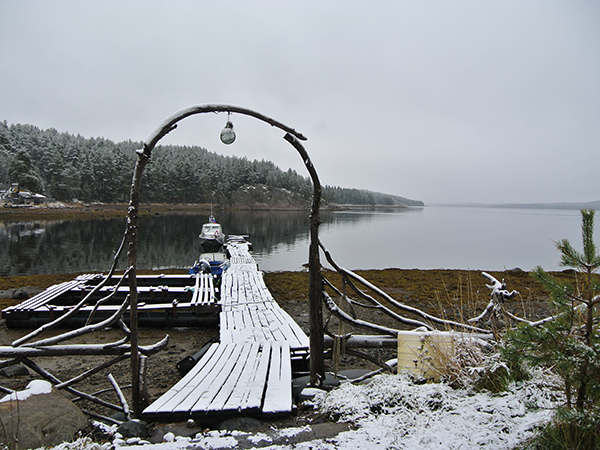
point(214, 263)
point(212, 237)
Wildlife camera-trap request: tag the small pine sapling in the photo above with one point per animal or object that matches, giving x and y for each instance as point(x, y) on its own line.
point(568, 342)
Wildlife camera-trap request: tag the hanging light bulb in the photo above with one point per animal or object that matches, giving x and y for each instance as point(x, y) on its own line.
point(227, 134)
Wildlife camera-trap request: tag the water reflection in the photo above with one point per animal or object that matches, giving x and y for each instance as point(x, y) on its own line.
point(425, 238)
point(164, 241)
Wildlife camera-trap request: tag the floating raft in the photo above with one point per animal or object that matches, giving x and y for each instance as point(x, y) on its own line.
point(249, 371)
point(164, 300)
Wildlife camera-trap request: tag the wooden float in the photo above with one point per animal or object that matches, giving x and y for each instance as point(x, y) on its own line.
point(163, 300)
point(249, 371)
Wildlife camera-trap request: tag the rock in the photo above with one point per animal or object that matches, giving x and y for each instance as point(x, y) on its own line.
point(309, 393)
point(39, 417)
point(176, 429)
point(247, 424)
point(133, 428)
point(16, 370)
point(20, 294)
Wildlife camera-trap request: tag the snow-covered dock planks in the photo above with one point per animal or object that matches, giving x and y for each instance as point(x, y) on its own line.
point(204, 290)
point(248, 310)
point(44, 298)
point(261, 323)
point(229, 379)
point(249, 371)
point(167, 300)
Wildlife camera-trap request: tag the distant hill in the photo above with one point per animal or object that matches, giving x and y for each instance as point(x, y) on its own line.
point(561, 205)
point(564, 205)
point(66, 167)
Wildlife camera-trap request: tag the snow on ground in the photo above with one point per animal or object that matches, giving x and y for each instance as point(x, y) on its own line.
point(33, 388)
point(392, 412)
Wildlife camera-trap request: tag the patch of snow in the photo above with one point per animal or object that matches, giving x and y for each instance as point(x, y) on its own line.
point(293, 431)
point(393, 412)
point(390, 411)
point(259, 437)
point(83, 443)
point(33, 388)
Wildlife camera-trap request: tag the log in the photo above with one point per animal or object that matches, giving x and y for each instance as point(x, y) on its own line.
point(364, 341)
point(79, 349)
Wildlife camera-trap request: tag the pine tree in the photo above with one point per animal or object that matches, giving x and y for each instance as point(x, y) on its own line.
point(570, 343)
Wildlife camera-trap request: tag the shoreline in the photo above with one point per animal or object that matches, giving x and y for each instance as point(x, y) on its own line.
point(438, 291)
point(83, 211)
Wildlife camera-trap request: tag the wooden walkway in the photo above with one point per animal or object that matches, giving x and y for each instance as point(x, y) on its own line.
point(249, 370)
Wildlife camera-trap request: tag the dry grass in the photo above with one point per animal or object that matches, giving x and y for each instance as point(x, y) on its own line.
point(451, 294)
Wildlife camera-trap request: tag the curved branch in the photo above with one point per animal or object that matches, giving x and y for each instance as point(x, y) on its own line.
point(331, 306)
point(170, 123)
point(349, 274)
point(108, 297)
point(108, 322)
point(387, 311)
point(71, 312)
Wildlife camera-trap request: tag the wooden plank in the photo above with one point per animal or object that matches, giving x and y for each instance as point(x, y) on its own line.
point(242, 358)
point(247, 395)
point(203, 382)
point(219, 378)
point(196, 294)
point(255, 395)
point(278, 394)
point(45, 296)
point(292, 331)
point(210, 291)
point(160, 405)
point(263, 325)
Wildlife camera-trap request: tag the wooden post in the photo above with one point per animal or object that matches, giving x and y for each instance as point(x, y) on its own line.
point(315, 281)
point(132, 233)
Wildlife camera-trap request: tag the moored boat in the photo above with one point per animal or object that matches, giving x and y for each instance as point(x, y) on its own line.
point(212, 237)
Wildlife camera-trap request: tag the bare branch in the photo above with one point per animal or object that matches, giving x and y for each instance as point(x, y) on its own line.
point(335, 310)
point(70, 313)
point(349, 274)
point(92, 371)
point(108, 297)
point(83, 330)
point(120, 396)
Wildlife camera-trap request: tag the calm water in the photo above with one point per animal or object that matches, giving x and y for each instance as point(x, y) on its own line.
point(424, 238)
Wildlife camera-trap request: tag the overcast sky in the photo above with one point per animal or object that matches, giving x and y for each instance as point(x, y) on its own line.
point(440, 101)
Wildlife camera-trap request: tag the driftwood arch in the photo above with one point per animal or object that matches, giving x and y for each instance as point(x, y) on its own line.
point(317, 364)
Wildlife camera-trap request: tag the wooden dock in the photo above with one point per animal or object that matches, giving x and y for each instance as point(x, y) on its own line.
point(249, 371)
point(164, 300)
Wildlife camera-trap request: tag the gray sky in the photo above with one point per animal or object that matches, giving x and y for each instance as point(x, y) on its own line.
point(441, 101)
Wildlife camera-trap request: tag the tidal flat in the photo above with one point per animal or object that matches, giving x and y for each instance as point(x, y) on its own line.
point(450, 294)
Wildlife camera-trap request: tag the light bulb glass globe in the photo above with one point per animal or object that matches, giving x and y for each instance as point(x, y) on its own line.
point(227, 134)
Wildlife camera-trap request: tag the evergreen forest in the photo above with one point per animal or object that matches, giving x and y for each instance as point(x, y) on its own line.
point(66, 167)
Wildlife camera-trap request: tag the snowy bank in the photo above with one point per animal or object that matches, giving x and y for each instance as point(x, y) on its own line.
point(393, 412)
